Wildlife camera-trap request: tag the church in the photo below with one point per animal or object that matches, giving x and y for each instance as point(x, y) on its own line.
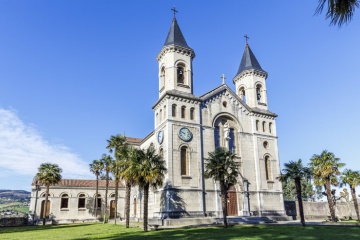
point(187, 128)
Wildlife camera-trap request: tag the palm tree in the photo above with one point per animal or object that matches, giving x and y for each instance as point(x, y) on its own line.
point(148, 169)
point(48, 174)
point(325, 168)
point(339, 11)
point(119, 144)
point(353, 179)
point(96, 167)
point(106, 160)
point(222, 167)
point(296, 171)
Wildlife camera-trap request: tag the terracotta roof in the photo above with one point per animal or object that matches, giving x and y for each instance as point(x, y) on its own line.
point(133, 140)
point(85, 183)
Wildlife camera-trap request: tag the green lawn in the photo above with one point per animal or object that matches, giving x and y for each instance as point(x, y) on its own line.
point(110, 231)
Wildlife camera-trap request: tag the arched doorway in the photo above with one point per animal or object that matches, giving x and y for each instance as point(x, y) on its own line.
point(232, 207)
point(112, 208)
point(47, 209)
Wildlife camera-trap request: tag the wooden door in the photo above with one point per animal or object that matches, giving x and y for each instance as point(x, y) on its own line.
point(232, 206)
point(112, 208)
point(47, 209)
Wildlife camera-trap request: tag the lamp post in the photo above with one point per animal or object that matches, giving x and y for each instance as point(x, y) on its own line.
point(247, 194)
point(37, 189)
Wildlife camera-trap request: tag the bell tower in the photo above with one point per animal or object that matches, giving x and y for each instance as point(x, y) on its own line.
point(250, 80)
point(175, 62)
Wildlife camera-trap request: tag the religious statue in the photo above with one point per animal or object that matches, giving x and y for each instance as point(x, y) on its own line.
point(227, 131)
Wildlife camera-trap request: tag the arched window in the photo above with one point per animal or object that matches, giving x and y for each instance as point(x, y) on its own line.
point(173, 110)
point(192, 112)
point(98, 202)
point(164, 112)
point(162, 76)
point(81, 201)
point(160, 115)
point(264, 126)
point(64, 201)
point(258, 92)
point(270, 127)
point(232, 140)
point(267, 168)
point(112, 195)
point(217, 136)
point(242, 94)
point(184, 161)
point(180, 70)
point(157, 117)
point(257, 125)
point(183, 110)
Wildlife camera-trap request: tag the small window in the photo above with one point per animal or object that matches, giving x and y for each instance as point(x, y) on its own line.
point(270, 127)
point(192, 112)
point(242, 94)
point(64, 201)
point(112, 195)
point(160, 115)
point(164, 112)
point(224, 103)
point(266, 144)
point(264, 126)
point(183, 109)
point(162, 76)
point(173, 110)
point(258, 92)
point(184, 164)
point(82, 200)
point(257, 125)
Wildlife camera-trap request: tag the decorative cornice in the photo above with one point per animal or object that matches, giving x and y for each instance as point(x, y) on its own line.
point(179, 96)
point(250, 72)
point(174, 48)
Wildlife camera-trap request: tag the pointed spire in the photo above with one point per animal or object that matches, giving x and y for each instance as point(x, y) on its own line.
point(175, 36)
point(249, 61)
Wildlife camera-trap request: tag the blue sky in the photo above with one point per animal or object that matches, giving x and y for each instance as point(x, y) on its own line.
point(74, 72)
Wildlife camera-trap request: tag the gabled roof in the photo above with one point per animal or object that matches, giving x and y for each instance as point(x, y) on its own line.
point(175, 36)
point(225, 87)
point(249, 61)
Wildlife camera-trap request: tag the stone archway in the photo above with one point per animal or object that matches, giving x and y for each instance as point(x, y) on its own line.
point(47, 209)
point(232, 206)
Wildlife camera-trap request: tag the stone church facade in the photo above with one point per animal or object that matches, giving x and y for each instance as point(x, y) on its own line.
point(188, 127)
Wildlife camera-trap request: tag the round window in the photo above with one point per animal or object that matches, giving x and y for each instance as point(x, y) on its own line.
point(224, 103)
point(266, 145)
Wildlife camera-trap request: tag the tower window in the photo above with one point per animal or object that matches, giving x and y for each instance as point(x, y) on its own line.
point(184, 161)
point(173, 110)
point(64, 201)
point(160, 115)
point(257, 125)
point(183, 109)
point(192, 112)
point(270, 127)
point(180, 73)
point(164, 112)
point(267, 168)
point(162, 77)
point(242, 94)
point(258, 92)
point(81, 201)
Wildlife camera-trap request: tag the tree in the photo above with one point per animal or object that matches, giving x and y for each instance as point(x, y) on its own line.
point(325, 169)
point(117, 143)
point(353, 179)
point(48, 174)
point(222, 167)
point(308, 191)
point(296, 171)
point(339, 11)
point(148, 169)
point(106, 160)
point(96, 167)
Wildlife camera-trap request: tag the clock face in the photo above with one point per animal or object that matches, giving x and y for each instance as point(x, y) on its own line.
point(160, 136)
point(185, 134)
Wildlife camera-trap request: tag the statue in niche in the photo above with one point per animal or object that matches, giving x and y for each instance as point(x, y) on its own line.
point(226, 131)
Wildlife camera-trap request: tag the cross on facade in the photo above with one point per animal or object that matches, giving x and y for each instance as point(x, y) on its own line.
point(174, 10)
point(247, 38)
point(223, 78)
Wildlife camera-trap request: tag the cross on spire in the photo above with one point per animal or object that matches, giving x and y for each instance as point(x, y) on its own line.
point(174, 10)
point(223, 78)
point(247, 38)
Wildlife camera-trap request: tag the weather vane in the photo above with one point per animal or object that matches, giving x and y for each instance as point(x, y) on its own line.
point(247, 38)
point(174, 10)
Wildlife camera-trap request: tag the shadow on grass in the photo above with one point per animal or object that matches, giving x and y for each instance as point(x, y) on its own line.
point(261, 232)
point(40, 228)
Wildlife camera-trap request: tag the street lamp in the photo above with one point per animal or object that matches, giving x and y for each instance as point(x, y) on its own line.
point(247, 194)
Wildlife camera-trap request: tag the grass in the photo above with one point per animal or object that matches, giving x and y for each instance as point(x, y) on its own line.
point(110, 231)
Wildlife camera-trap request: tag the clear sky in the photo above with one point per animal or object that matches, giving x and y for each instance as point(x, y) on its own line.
point(74, 72)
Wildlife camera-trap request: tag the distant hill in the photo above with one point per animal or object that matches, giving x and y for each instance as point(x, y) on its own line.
point(14, 194)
